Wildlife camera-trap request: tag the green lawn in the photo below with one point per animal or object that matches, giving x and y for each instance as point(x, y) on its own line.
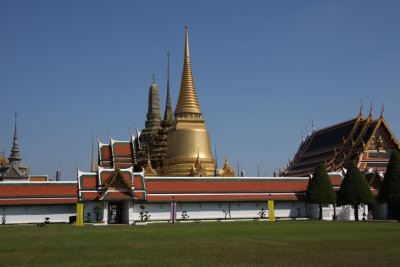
point(299, 243)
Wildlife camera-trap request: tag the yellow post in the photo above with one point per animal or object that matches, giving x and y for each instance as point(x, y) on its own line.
point(271, 210)
point(79, 214)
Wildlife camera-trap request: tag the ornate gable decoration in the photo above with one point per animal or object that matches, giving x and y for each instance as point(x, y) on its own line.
point(382, 139)
point(112, 184)
point(117, 181)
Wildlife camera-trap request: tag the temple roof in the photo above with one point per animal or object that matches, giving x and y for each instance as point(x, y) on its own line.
point(15, 156)
point(336, 145)
point(14, 169)
point(33, 193)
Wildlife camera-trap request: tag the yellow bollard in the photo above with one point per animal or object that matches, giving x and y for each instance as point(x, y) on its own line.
point(271, 210)
point(79, 214)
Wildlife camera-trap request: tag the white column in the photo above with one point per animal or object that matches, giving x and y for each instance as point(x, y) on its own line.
point(105, 212)
point(131, 218)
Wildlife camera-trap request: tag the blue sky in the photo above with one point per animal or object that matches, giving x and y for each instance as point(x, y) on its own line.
point(263, 70)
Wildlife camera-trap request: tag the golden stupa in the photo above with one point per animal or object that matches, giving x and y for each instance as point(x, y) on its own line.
point(188, 149)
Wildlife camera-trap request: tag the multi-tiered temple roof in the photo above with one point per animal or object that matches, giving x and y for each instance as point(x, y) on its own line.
point(14, 170)
point(367, 141)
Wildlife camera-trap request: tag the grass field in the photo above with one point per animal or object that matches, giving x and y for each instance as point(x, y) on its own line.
point(300, 243)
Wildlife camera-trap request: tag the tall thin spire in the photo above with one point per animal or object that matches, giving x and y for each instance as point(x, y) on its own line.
point(188, 105)
point(168, 116)
point(216, 161)
point(92, 166)
point(15, 156)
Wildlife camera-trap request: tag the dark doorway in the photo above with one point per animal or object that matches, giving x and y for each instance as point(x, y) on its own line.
point(116, 212)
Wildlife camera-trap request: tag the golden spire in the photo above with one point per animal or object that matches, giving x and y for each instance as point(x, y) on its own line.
point(188, 105)
point(188, 139)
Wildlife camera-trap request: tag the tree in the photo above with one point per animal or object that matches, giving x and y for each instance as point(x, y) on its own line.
point(390, 190)
point(97, 212)
point(320, 190)
point(354, 189)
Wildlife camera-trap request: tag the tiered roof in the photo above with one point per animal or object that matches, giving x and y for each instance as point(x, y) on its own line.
point(339, 144)
point(14, 169)
point(119, 153)
point(111, 184)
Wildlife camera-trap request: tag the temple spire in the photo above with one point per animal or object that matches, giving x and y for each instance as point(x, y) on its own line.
point(92, 166)
point(153, 112)
point(168, 116)
point(188, 105)
point(370, 110)
point(15, 156)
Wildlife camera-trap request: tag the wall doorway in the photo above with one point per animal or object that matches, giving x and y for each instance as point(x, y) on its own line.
point(117, 212)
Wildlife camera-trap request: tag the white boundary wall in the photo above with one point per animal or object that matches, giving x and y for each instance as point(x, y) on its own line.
point(37, 213)
point(345, 212)
point(216, 210)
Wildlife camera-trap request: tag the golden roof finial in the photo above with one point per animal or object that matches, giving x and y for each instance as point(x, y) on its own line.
point(382, 110)
point(188, 105)
point(361, 108)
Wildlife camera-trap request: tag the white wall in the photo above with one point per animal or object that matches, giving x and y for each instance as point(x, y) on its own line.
point(215, 210)
point(88, 208)
point(157, 211)
point(345, 212)
point(37, 213)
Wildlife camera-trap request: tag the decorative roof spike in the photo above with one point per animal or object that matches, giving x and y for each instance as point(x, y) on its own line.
point(382, 110)
point(15, 156)
point(361, 108)
point(370, 111)
point(308, 132)
point(188, 105)
point(92, 166)
point(168, 116)
point(216, 161)
point(312, 125)
point(302, 137)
